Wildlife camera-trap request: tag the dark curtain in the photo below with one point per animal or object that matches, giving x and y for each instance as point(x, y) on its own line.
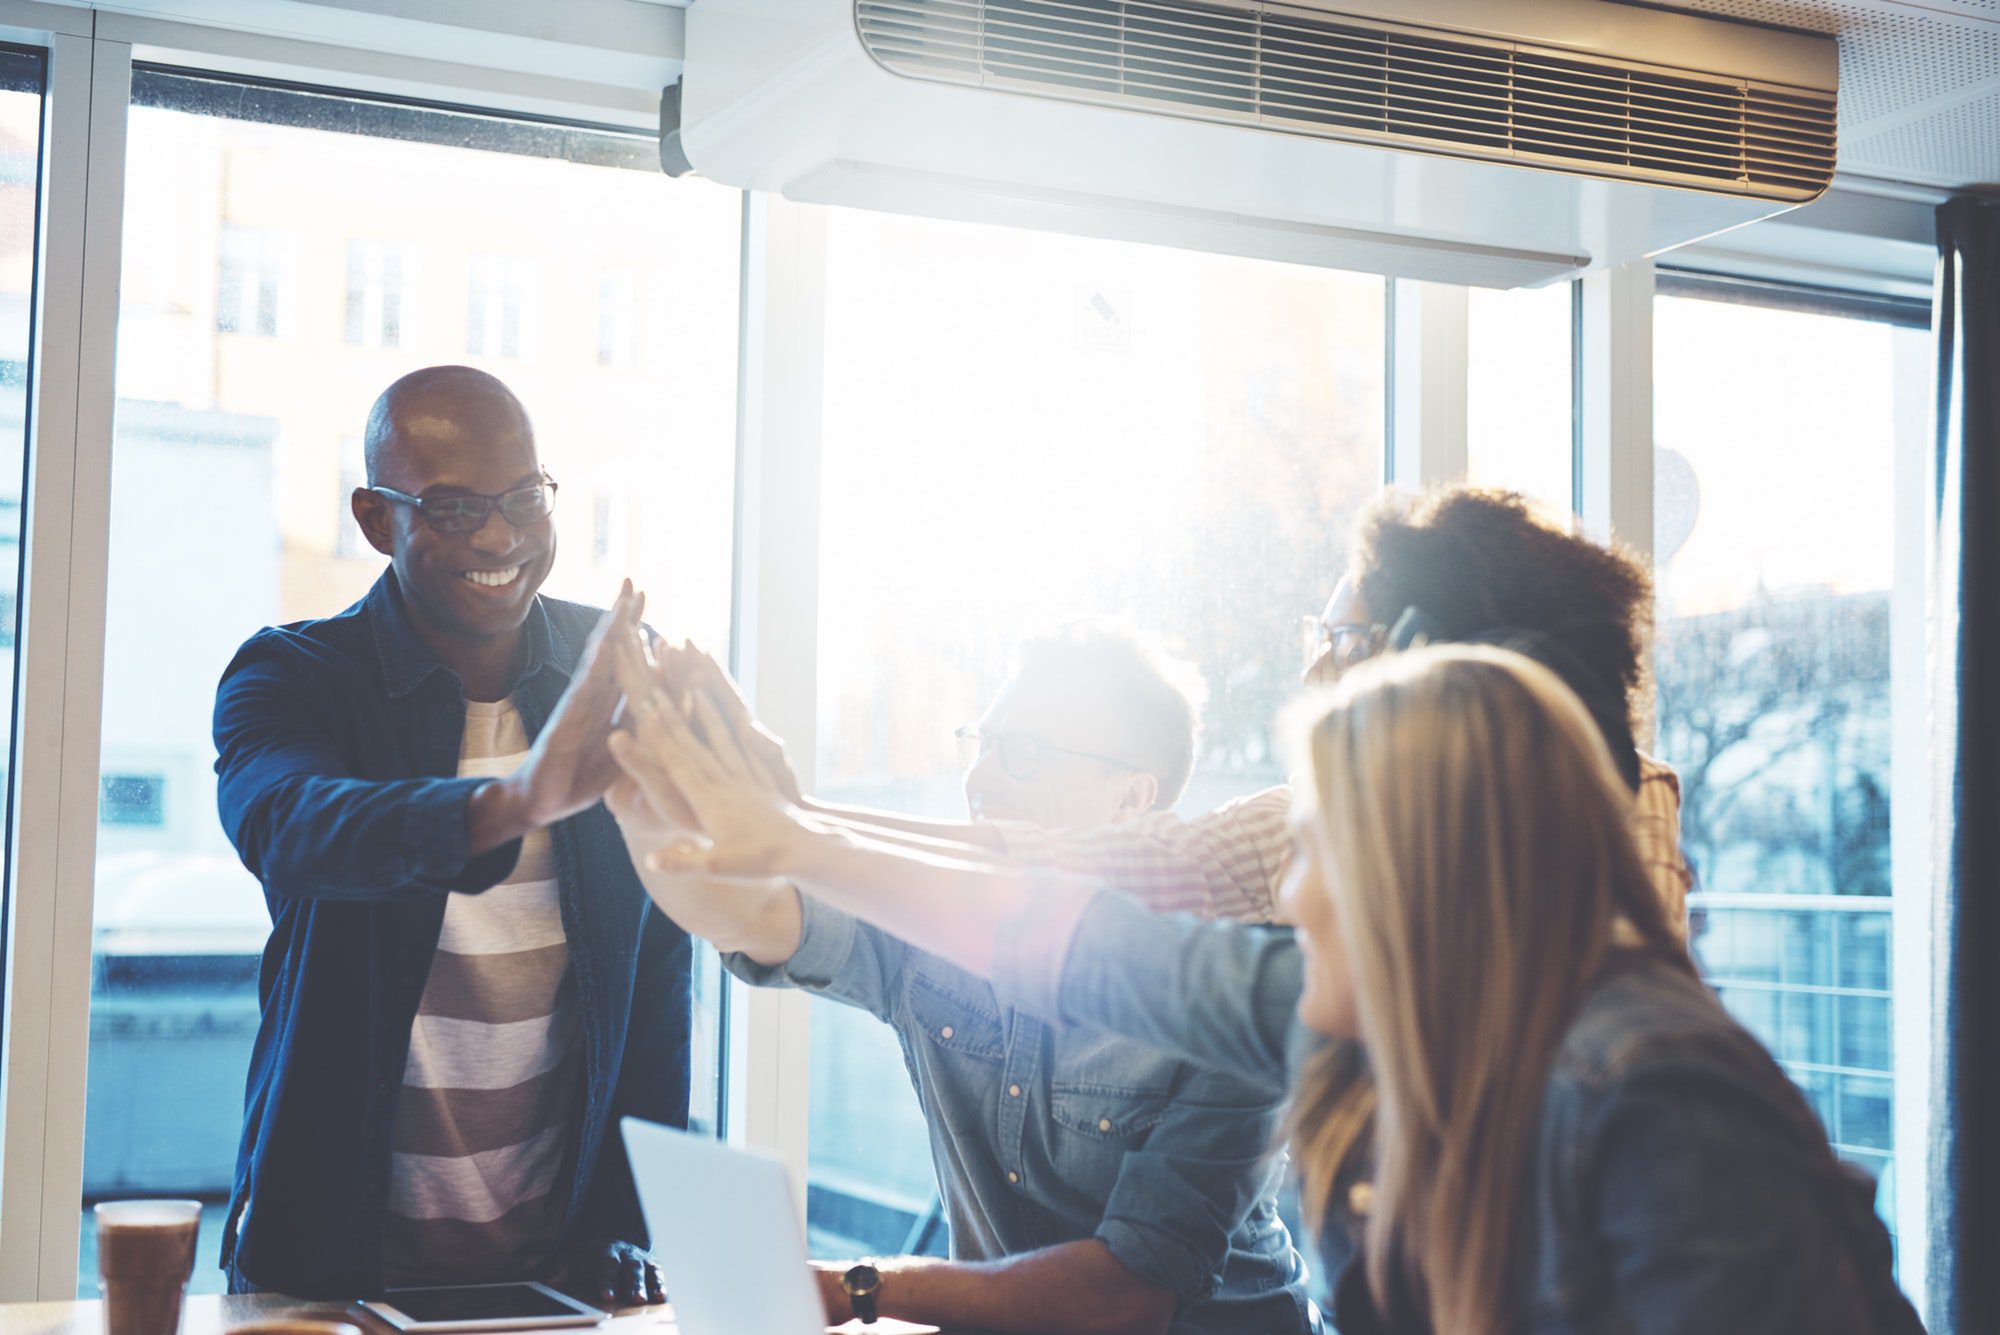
point(1965, 713)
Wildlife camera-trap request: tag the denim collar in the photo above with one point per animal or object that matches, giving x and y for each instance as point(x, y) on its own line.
point(407, 661)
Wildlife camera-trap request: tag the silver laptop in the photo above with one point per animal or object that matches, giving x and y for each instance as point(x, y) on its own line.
point(727, 1237)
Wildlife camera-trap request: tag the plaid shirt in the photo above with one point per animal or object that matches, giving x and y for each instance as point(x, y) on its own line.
point(1229, 862)
point(1656, 828)
point(1224, 864)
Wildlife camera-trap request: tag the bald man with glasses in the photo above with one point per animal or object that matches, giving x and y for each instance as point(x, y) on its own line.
point(465, 985)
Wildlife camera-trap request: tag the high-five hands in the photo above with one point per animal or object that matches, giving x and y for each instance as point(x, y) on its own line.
point(759, 745)
point(722, 812)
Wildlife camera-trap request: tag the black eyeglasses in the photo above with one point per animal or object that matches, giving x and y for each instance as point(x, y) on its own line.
point(1020, 752)
point(468, 514)
point(1345, 644)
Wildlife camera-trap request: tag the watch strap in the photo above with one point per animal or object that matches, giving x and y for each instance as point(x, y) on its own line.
point(861, 1283)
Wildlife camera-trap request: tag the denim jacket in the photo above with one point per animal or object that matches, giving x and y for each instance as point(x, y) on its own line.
point(1681, 1184)
point(338, 746)
point(1046, 1134)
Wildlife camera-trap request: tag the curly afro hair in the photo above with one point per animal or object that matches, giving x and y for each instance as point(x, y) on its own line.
point(1475, 560)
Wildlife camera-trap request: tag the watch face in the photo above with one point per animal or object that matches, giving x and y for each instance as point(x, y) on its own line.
point(861, 1279)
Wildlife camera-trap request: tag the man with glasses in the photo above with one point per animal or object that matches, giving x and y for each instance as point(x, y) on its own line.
point(1090, 1183)
point(466, 985)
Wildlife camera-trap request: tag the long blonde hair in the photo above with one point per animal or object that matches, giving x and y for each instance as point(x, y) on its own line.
point(1475, 840)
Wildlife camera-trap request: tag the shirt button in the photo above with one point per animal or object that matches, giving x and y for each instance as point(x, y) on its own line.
point(1013, 1177)
point(1104, 1124)
point(1013, 1091)
point(945, 1032)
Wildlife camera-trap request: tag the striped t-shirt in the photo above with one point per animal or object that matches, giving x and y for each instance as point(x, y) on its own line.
point(493, 1089)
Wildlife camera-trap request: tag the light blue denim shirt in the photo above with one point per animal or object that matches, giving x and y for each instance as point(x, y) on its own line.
point(1681, 1184)
point(1044, 1134)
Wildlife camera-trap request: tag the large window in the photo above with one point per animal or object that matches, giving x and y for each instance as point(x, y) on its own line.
point(1017, 429)
point(1020, 429)
point(1778, 435)
point(261, 316)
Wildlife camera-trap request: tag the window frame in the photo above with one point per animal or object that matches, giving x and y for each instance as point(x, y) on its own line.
point(1612, 475)
point(65, 550)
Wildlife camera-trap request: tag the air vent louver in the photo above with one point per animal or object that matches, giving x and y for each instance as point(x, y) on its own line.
point(1342, 77)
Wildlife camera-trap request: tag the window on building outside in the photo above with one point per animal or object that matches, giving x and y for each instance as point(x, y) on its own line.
point(1774, 538)
point(132, 799)
point(496, 292)
point(617, 319)
point(348, 541)
point(375, 294)
point(250, 279)
point(1022, 428)
point(229, 511)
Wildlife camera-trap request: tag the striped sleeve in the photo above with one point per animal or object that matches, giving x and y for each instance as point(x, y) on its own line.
point(1227, 863)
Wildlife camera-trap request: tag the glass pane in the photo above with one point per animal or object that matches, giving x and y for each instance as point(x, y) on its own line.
point(1022, 429)
point(1773, 531)
point(1864, 1113)
point(1864, 1033)
point(262, 313)
point(1517, 392)
point(21, 74)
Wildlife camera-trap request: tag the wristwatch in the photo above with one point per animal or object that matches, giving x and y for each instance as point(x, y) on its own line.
point(861, 1282)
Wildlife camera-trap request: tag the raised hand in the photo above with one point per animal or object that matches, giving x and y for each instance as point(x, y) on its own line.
point(763, 747)
point(745, 829)
point(647, 683)
point(570, 764)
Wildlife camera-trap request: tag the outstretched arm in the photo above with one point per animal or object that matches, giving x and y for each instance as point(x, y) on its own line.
point(687, 671)
point(1226, 863)
point(727, 823)
point(310, 827)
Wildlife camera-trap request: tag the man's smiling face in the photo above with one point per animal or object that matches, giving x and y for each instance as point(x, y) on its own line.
point(459, 437)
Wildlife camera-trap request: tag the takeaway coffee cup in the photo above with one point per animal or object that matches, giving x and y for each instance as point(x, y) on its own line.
point(145, 1252)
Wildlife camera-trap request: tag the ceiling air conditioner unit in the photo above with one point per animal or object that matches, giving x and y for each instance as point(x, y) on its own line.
point(1462, 141)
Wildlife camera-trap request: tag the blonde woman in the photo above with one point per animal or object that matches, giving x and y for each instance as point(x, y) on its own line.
point(1573, 1135)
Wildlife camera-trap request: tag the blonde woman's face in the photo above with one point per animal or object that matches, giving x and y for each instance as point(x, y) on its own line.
point(1326, 1005)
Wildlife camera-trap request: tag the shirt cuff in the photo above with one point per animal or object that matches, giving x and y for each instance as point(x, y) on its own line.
point(1159, 1260)
point(1032, 948)
point(826, 942)
point(439, 827)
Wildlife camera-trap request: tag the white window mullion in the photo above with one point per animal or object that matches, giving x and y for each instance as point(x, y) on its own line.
point(62, 664)
point(1615, 406)
point(777, 608)
point(1910, 836)
point(1428, 334)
